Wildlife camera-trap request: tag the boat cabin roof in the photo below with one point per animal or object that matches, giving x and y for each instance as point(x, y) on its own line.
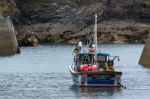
point(91, 53)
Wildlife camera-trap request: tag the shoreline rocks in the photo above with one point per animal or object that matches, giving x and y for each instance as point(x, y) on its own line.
point(29, 40)
point(68, 21)
point(112, 31)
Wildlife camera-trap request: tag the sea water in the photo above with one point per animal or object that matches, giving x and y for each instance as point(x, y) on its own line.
point(42, 73)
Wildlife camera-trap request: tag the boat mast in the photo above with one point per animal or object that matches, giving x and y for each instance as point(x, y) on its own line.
point(95, 36)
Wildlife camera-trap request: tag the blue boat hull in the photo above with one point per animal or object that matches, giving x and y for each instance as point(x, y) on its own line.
point(96, 79)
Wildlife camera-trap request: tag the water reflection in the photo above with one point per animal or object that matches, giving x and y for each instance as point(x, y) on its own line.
point(93, 93)
point(39, 73)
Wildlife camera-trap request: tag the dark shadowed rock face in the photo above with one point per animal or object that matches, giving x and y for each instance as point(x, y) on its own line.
point(8, 8)
point(68, 21)
point(29, 40)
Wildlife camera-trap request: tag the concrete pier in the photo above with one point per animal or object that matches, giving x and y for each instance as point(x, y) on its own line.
point(8, 40)
point(145, 57)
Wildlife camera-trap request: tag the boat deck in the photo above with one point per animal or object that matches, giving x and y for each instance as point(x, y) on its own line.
point(95, 72)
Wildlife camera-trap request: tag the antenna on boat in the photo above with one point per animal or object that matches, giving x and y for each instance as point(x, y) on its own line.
point(95, 36)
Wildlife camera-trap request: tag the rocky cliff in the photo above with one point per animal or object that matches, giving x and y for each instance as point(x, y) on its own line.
point(68, 21)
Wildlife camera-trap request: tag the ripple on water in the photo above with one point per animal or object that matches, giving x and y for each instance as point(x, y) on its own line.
point(42, 73)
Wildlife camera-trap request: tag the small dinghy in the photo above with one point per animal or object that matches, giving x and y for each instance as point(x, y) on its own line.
point(93, 69)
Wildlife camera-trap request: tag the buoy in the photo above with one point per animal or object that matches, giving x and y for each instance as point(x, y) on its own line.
point(82, 67)
point(91, 49)
point(90, 68)
point(94, 67)
point(85, 67)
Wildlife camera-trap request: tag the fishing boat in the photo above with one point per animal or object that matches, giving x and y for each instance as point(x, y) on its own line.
point(92, 68)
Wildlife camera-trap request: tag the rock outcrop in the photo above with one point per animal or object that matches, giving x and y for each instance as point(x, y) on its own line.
point(59, 21)
point(8, 8)
point(29, 40)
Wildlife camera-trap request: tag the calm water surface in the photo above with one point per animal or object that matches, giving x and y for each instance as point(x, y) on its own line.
point(42, 73)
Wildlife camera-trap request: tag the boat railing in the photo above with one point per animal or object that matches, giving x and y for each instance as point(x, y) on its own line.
point(114, 57)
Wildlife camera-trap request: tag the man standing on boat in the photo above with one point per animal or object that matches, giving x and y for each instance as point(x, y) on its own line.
point(77, 49)
point(80, 45)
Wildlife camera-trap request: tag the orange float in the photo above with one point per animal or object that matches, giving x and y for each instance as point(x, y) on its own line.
point(90, 68)
point(82, 67)
point(94, 67)
point(91, 49)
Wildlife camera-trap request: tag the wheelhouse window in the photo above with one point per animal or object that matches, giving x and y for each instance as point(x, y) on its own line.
point(89, 58)
point(86, 59)
point(101, 58)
